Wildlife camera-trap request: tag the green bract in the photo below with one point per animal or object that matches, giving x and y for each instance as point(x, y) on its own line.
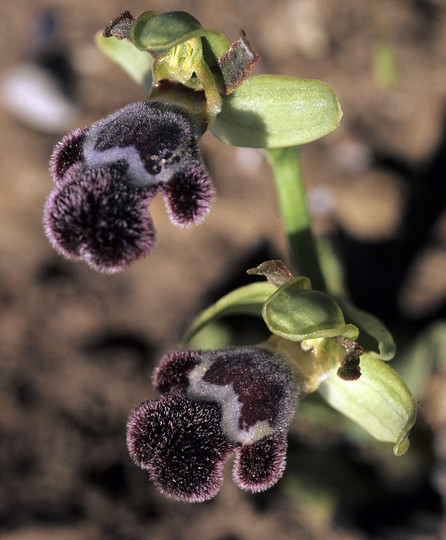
point(273, 111)
point(297, 313)
point(379, 401)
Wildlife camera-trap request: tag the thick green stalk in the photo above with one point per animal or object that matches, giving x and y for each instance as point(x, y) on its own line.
point(296, 219)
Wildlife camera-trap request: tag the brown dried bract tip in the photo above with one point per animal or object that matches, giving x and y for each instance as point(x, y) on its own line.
point(275, 272)
point(350, 370)
point(120, 26)
point(236, 63)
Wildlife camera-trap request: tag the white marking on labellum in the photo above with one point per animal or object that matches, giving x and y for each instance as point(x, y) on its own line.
point(231, 407)
point(136, 171)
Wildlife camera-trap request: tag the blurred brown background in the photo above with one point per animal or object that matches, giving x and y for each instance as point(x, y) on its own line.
point(77, 348)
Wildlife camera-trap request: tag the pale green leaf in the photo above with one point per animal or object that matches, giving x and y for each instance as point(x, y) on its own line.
point(137, 64)
point(247, 300)
point(273, 111)
point(379, 401)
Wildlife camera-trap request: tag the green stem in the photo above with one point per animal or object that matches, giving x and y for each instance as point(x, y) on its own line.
point(295, 215)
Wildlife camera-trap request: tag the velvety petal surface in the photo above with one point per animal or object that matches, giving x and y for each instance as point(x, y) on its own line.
point(181, 444)
point(98, 216)
point(258, 466)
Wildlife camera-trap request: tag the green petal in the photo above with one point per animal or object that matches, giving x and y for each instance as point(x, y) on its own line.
point(247, 300)
point(379, 401)
point(137, 64)
point(273, 111)
point(296, 313)
point(370, 329)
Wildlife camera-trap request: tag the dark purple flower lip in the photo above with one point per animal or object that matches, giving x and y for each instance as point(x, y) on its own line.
point(107, 174)
point(214, 404)
point(93, 215)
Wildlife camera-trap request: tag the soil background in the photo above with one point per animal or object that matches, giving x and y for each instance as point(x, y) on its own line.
point(77, 348)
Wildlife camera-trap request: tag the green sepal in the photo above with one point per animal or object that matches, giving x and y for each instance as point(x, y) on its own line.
point(158, 33)
point(273, 111)
point(247, 300)
point(374, 334)
point(137, 64)
point(297, 313)
point(379, 401)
